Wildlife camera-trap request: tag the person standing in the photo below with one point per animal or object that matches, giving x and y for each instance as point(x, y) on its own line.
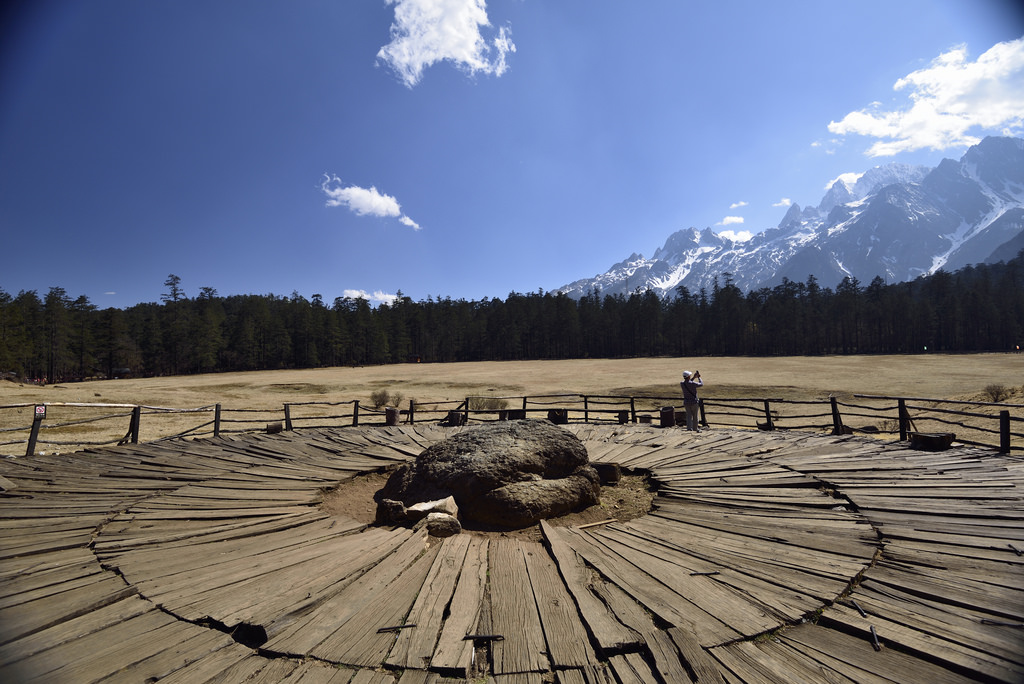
point(690, 383)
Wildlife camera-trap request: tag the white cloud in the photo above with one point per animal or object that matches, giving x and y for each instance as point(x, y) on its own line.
point(737, 205)
point(850, 179)
point(950, 101)
point(363, 201)
point(730, 220)
point(377, 297)
point(429, 31)
point(784, 202)
point(736, 236)
point(405, 220)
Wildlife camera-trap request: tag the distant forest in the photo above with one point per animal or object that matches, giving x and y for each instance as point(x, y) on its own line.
point(57, 338)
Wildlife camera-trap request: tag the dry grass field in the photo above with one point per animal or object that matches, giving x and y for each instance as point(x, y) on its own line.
point(937, 376)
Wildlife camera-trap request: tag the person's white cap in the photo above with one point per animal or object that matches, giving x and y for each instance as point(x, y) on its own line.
point(687, 374)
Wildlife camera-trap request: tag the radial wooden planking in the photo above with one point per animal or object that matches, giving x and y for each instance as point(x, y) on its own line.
point(767, 557)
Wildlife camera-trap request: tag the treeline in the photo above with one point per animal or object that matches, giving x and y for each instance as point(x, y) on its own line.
point(60, 338)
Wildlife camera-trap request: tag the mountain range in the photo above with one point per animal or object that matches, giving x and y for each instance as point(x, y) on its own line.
point(897, 222)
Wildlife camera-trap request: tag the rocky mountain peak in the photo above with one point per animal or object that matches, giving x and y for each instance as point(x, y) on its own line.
point(897, 221)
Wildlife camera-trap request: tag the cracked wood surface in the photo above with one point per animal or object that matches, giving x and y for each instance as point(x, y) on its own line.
point(767, 557)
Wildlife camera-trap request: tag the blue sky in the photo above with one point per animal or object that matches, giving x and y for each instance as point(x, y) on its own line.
point(456, 148)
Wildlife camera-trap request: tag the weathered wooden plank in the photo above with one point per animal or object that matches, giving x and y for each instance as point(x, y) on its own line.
point(274, 598)
point(453, 652)
point(589, 674)
point(82, 577)
point(703, 667)
point(517, 678)
point(737, 550)
point(937, 648)
point(305, 633)
point(358, 641)
point(414, 646)
point(840, 652)
point(751, 663)
point(25, 618)
point(851, 537)
point(46, 578)
point(233, 663)
point(367, 676)
point(273, 671)
point(74, 628)
point(651, 592)
point(168, 652)
point(1000, 596)
point(610, 634)
point(190, 576)
point(312, 672)
point(514, 610)
point(136, 535)
point(568, 643)
point(631, 668)
point(712, 600)
point(657, 643)
point(964, 625)
point(102, 652)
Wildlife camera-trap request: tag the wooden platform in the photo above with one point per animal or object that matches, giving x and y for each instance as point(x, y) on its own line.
point(769, 557)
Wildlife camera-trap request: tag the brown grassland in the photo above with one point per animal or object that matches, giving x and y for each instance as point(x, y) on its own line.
point(938, 376)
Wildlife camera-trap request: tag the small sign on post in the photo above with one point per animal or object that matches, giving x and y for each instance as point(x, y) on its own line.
point(37, 421)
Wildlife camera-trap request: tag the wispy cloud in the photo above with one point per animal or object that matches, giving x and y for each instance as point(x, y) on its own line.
point(736, 235)
point(730, 220)
point(429, 31)
point(850, 179)
point(363, 201)
point(737, 205)
point(377, 297)
point(784, 202)
point(950, 100)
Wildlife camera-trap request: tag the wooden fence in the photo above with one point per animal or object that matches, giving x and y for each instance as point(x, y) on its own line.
point(975, 423)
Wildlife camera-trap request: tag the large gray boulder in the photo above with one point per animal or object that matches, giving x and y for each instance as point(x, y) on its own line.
point(507, 474)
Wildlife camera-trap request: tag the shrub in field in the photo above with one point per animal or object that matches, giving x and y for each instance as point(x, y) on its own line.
point(997, 392)
point(890, 425)
point(487, 404)
point(381, 397)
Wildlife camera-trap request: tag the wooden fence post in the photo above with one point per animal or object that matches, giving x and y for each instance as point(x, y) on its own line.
point(287, 417)
point(355, 412)
point(216, 420)
point(904, 418)
point(465, 419)
point(133, 429)
point(768, 416)
point(586, 413)
point(837, 420)
point(412, 411)
point(703, 417)
point(632, 409)
point(37, 421)
point(1004, 432)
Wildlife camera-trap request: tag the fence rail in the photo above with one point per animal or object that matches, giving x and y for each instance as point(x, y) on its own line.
point(988, 424)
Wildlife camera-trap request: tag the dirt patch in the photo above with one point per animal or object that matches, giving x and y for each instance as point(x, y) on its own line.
point(630, 498)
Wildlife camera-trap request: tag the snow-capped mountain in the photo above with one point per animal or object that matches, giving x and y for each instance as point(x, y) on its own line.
point(895, 221)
